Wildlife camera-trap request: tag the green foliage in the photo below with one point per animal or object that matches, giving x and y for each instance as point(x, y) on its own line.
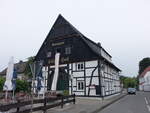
point(65, 92)
point(2, 81)
point(144, 63)
point(129, 81)
point(22, 85)
point(28, 69)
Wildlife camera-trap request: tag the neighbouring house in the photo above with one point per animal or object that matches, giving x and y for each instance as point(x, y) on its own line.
point(144, 80)
point(20, 68)
point(85, 67)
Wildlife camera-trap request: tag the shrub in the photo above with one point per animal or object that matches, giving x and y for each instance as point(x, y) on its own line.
point(22, 85)
point(2, 81)
point(65, 92)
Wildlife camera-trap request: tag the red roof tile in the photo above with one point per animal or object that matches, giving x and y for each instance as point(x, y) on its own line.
point(145, 71)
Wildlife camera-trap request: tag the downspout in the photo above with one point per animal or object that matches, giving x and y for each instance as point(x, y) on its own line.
point(99, 71)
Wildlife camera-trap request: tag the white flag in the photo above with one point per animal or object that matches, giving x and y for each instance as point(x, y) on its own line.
point(9, 75)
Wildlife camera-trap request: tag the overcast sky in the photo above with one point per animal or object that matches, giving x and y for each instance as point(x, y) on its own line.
point(122, 27)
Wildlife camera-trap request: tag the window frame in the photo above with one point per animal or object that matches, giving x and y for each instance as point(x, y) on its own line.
point(80, 85)
point(79, 66)
point(68, 50)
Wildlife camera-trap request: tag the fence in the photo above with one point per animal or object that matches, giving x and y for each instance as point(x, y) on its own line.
point(38, 104)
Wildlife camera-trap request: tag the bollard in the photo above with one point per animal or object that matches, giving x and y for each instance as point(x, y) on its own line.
point(18, 107)
point(45, 100)
point(62, 101)
point(74, 98)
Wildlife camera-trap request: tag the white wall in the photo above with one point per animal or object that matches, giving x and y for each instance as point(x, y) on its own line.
point(91, 63)
point(79, 76)
point(110, 81)
point(144, 82)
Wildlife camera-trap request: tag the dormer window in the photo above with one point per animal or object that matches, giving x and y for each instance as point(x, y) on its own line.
point(68, 50)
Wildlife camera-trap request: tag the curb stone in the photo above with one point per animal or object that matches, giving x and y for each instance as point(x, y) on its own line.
point(106, 105)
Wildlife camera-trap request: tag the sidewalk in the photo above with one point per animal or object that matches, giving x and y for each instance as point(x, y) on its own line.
point(87, 105)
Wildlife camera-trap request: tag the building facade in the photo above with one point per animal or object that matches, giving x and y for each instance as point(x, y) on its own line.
point(20, 68)
point(85, 68)
point(144, 80)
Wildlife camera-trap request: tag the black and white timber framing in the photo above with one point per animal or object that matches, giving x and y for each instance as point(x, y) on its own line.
point(85, 69)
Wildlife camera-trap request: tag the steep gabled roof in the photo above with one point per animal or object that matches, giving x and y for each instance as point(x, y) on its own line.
point(62, 28)
point(144, 72)
point(61, 25)
point(94, 46)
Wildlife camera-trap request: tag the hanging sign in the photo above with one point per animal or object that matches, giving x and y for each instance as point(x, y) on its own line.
point(58, 44)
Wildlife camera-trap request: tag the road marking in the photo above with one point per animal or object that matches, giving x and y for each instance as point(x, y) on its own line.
point(146, 101)
point(148, 107)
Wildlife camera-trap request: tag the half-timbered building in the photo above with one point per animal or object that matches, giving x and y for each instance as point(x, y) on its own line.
point(85, 67)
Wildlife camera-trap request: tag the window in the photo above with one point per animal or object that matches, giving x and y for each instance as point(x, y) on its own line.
point(68, 50)
point(80, 66)
point(49, 54)
point(80, 85)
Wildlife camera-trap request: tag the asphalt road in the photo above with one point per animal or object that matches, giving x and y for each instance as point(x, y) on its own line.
point(139, 103)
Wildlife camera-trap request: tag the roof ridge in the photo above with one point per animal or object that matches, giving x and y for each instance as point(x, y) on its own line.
point(70, 25)
point(56, 21)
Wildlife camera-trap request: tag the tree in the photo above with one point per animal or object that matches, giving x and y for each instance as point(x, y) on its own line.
point(143, 64)
point(2, 81)
point(22, 85)
point(28, 72)
point(129, 81)
point(28, 69)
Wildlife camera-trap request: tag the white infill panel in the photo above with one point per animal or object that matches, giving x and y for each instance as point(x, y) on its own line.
point(91, 63)
point(55, 78)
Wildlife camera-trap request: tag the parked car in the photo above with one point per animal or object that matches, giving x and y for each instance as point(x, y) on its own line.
point(131, 91)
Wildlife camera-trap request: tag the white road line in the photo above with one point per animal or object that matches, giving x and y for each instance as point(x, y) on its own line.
point(148, 107)
point(146, 101)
